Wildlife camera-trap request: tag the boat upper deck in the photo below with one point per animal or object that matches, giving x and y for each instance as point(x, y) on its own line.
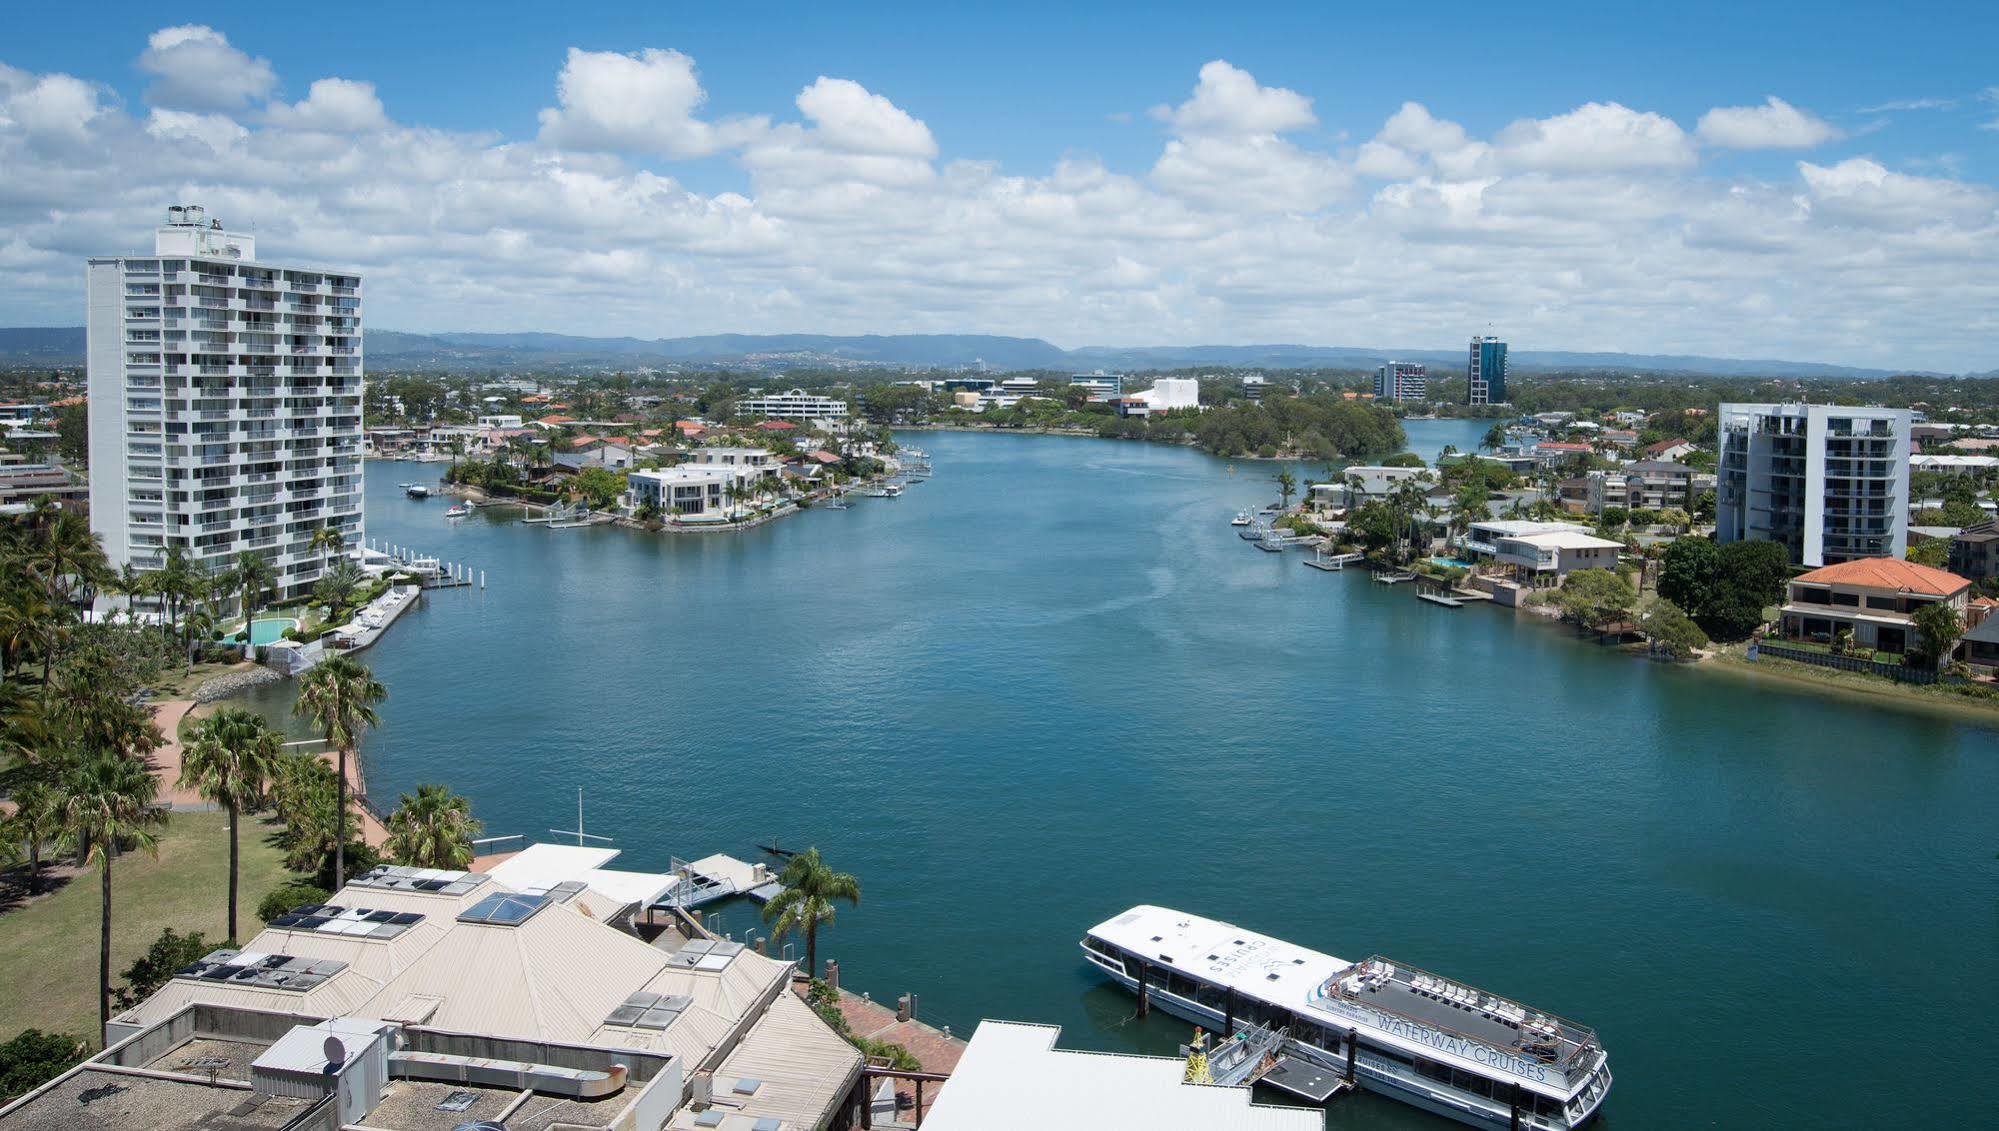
point(1531, 1043)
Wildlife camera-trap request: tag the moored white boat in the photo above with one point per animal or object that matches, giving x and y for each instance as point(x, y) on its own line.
point(1404, 1033)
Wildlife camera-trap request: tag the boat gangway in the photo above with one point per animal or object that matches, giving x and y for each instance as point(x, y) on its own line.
point(701, 882)
point(1394, 578)
point(1334, 563)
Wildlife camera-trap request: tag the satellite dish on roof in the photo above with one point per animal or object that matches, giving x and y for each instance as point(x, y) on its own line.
point(336, 1053)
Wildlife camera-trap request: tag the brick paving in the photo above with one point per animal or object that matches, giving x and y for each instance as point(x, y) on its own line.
point(935, 1051)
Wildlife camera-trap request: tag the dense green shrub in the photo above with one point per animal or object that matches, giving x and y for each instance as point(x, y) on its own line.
point(170, 952)
point(286, 898)
point(34, 1058)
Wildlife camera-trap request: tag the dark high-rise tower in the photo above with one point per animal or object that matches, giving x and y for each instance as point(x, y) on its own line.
point(1485, 372)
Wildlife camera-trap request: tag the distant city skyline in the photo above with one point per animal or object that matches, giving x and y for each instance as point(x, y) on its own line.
point(1811, 184)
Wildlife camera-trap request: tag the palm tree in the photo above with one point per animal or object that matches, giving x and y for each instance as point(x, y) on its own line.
point(433, 829)
point(1286, 484)
point(810, 887)
point(37, 820)
point(173, 583)
point(106, 802)
point(230, 759)
point(69, 558)
point(340, 696)
point(253, 577)
point(324, 539)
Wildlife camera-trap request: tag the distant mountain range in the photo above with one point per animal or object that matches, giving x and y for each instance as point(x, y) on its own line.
point(394, 349)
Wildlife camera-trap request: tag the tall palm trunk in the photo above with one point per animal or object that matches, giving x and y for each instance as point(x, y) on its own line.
point(812, 950)
point(34, 865)
point(104, 952)
point(233, 936)
point(340, 826)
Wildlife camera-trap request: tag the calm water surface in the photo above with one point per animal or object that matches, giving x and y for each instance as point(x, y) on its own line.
point(1051, 683)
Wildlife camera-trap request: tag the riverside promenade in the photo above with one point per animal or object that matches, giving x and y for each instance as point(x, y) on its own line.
point(165, 764)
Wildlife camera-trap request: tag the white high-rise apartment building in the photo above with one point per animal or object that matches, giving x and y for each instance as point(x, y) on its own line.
point(1401, 381)
point(225, 403)
point(796, 404)
point(1831, 482)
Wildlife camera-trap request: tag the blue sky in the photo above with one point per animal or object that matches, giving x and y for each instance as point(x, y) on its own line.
point(994, 104)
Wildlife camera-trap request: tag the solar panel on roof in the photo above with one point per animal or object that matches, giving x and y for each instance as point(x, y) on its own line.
point(710, 1118)
point(379, 916)
point(697, 946)
point(768, 1123)
point(747, 1086)
point(625, 1015)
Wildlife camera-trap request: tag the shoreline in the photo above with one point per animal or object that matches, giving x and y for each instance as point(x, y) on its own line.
point(1082, 434)
point(1729, 661)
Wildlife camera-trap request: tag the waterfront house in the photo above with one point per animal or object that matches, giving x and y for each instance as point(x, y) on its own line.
point(756, 460)
point(1874, 598)
point(596, 451)
point(1481, 541)
point(1360, 484)
point(701, 492)
point(1548, 558)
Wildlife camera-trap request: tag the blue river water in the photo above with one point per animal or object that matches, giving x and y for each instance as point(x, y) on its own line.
point(1051, 683)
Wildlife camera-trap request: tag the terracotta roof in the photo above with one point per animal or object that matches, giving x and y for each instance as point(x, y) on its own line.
point(66, 402)
point(584, 441)
point(776, 425)
point(1888, 573)
point(1558, 446)
point(556, 420)
point(1664, 444)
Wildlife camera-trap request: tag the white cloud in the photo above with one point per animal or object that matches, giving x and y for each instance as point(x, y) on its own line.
point(218, 132)
point(195, 68)
point(1592, 229)
point(1227, 100)
point(1910, 104)
point(1596, 137)
point(50, 107)
point(643, 103)
point(334, 105)
point(847, 116)
point(1226, 149)
point(1774, 125)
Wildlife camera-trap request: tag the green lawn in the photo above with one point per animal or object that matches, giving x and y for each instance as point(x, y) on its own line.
point(48, 948)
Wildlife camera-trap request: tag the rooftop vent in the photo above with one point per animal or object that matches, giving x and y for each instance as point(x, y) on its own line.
point(504, 909)
point(264, 971)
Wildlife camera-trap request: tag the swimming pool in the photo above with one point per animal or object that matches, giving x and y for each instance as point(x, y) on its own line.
point(265, 630)
point(1453, 563)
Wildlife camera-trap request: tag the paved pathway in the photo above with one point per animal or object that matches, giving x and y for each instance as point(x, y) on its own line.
point(166, 762)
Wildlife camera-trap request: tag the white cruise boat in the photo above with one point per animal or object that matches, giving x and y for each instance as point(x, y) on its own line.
point(1404, 1033)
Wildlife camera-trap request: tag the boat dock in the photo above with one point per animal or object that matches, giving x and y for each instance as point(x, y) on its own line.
point(1441, 599)
point(1336, 562)
point(703, 881)
point(1394, 578)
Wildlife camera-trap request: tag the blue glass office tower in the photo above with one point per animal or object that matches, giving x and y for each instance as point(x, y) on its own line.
point(1485, 372)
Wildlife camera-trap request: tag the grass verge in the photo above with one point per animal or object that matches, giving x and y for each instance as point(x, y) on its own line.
point(48, 946)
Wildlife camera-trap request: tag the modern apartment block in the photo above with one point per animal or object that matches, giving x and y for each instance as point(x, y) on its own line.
point(1485, 372)
point(797, 404)
point(1831, 482)
point(225, 402)
point(1401, 381)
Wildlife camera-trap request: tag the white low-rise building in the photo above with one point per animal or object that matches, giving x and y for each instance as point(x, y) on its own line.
point(795, 404)
point(1012, 1075)
point(692, 490)
point(1545, 559)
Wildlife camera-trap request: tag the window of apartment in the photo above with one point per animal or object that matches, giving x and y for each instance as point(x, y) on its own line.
point(1888, 603)
point(1817, 595)
point(1849, 599)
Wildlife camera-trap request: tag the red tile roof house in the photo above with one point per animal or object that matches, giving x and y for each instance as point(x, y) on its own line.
point(1874, 598)
point(1668, 449)
point(777, 425)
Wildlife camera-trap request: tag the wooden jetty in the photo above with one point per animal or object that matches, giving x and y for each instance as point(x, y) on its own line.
point(1335, 563)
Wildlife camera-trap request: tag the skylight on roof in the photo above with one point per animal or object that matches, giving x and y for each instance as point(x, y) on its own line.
point(504, 909)
point(645, 1010)
point(439, 881)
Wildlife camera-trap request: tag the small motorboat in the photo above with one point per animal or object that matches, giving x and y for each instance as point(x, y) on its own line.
point(1241, 518)
point(417, 491)
point(459, 511)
